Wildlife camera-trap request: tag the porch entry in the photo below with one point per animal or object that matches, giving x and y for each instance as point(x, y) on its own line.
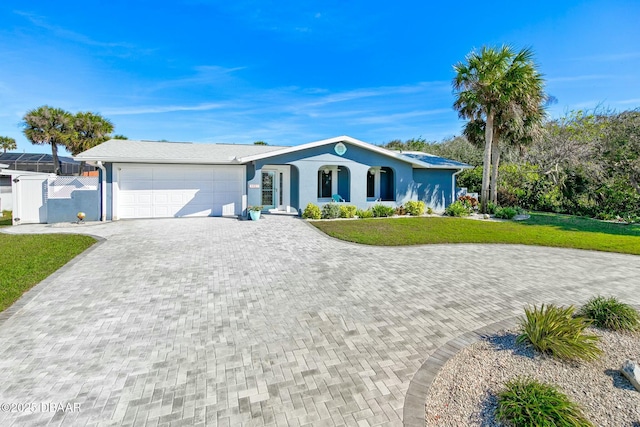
point(275, 188)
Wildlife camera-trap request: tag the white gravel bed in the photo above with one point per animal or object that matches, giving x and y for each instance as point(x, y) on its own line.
point(464, 391)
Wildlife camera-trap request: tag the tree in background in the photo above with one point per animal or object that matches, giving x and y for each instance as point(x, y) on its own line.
point(260, 143)
point(119, 137)
point(89, 130)
point(7, 143)
point(497, 86)
point(48, 125)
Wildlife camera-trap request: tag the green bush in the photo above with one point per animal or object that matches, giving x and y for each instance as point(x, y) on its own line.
point(382, 211)
point(491, 208)
point(430, 210)
point(414, 208)
point(364, 213)
point(347, 211)
point(527, 402)
point(555, 331)
point(611, 314)
point(331, 211)
point(311, 212)
point(506, 212)
point(458, 208)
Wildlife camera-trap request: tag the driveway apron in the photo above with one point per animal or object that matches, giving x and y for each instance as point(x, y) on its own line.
point(215, 321)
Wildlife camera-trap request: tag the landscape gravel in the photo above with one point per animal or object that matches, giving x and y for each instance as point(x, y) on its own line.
point(464, 393)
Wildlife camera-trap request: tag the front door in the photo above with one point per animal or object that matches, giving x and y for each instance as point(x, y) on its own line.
point(269, 189)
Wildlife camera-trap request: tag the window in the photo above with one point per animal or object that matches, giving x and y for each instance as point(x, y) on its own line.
point(324, 184)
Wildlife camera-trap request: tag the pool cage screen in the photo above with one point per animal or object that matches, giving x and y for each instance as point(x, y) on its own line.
point(41, 163)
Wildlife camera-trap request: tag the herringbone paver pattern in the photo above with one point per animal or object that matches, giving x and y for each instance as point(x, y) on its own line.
point(213, 321)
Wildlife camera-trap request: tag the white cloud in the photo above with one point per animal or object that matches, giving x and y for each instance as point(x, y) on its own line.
point(41, 22)
point(125, 111)
point(391, 118)
point(580, 78)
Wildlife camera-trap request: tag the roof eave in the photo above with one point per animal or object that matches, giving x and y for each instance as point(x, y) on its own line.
point(94, 159)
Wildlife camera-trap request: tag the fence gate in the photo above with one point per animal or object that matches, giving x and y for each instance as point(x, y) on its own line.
point(29, 199)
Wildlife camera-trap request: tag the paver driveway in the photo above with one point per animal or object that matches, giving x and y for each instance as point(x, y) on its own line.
point(213, 321)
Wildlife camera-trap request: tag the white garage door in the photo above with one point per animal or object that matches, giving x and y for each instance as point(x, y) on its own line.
point(163, 191)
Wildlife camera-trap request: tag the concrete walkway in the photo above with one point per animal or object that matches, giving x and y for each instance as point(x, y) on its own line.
point(212, 321)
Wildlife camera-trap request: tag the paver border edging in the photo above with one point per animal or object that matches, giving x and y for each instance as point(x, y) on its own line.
point(413, 413)
point(39, 287)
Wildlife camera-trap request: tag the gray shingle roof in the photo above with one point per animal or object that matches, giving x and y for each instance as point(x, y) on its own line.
point(129, 151)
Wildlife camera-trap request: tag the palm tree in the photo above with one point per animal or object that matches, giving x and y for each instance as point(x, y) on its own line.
point(47, 125)
point(504, 90)
point(7, 143)
point(89, 130)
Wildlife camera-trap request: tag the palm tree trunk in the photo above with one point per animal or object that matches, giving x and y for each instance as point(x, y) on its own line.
point(81, 169)
point(495, 163)
point(486, 170)
point(54, 155)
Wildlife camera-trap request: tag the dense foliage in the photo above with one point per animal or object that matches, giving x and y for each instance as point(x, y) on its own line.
point(610, 313)
point(527, 402)
point(586, 163)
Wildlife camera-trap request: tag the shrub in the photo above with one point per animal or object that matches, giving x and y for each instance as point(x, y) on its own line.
point(527, 402)
point(414, 208)
point(506, 212)
point(364, 213)
point(491, 208)
point(311, 212)
point(555, 331)
point(347, 211)
point(457, 209)
point(330, 211)
point(430, 210)
point(611, 314)
point(469, 202)
point(400, 211)
point(382, 211)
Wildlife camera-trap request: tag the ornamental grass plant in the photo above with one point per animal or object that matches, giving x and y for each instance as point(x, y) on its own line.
point(528, 403)
point(556, 331)
point(610, 313)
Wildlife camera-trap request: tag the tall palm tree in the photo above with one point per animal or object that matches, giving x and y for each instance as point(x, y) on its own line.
point(7, 143)
point(89, 130)
point(504, 90)
point(47, 125)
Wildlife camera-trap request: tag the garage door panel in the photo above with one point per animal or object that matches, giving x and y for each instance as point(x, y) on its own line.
point(135, 185)
point(136, 174)
point(151, 191)
point(200, 185)
point(198, 174)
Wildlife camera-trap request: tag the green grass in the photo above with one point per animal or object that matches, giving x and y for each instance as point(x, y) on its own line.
point(528, 403)
point(609, 313)
point(540, 230)
point(554, 330)
point(28, 259)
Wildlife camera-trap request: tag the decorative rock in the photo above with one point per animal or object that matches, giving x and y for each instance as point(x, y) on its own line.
point(486, 216)
point(631, 370)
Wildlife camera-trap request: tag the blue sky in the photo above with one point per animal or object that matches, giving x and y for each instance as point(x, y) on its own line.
point(290, 72)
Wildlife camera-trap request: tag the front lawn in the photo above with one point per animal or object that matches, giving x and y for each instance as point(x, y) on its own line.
point(540, 230)
point(25, 260)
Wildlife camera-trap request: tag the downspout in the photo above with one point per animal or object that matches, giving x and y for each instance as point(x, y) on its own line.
point(103, 191)
point(453, 185)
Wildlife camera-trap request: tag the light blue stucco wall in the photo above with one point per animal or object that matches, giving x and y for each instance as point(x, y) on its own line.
point(66, 210)
point(109, 175)
point(431, 186)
